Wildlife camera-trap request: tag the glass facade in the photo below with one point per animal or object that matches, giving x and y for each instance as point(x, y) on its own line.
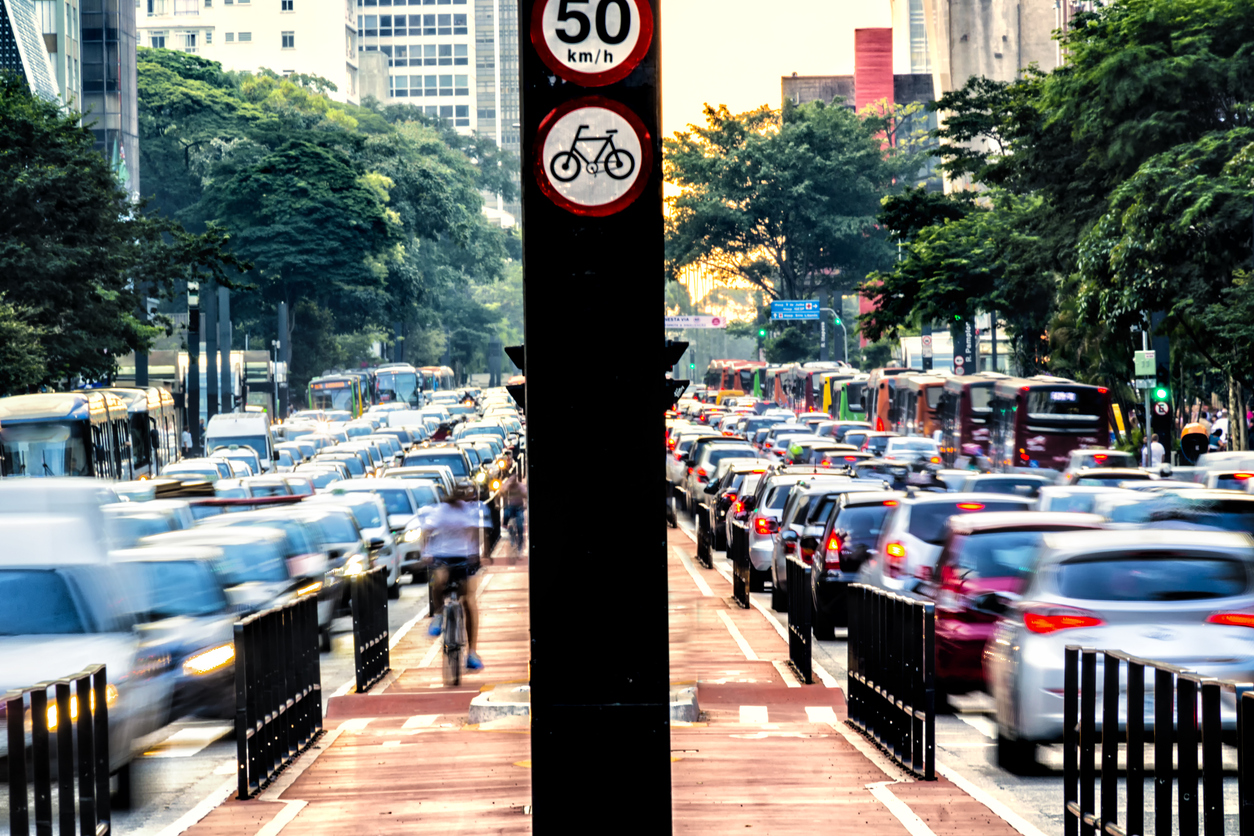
point(109, 84)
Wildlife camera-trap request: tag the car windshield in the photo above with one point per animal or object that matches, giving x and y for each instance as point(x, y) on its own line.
point(778, 497)
point(321, 480)
point(862, 522)
point(1232, 483)
point(125, 529)
point(396, 500)
point(423, 495)
point(256, 442)
point(913, 444)
point(337, 528)
point(1152, 576)
point(927, 519)
point(879, 442)
point(182, 588)
point(250, 562)
point(269, 488)
point(996, 554)
point(1008, 485)
point(1103, 481)
point(354, 464)
point(1228, 514)
point(37, 603)
point(1080, 503)
point(717, 455)
point(366, 514)
point(1105, 458)
point(454, 461)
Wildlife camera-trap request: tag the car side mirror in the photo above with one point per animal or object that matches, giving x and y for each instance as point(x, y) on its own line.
point(275, 455)
point(377, 543)
point(711, 487)
point(750, 504)
point(789, 536)
point(810, 543)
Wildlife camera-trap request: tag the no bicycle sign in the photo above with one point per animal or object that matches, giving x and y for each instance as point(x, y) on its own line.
point(592, 42)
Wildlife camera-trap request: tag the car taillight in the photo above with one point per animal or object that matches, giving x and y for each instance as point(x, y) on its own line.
point(971, 506)
point(935, 459)
point(1242, 476)
point(701, 474)
point(679, 457)
point(1232, 619)
point(1046, 620)
point(765, 525)
point(896, 553)
point(670, 445)
point(738, 507)
point(690, 471)
point(831, 558)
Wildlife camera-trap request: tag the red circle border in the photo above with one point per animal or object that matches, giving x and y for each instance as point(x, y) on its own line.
point(622, 201)
point(643, 42)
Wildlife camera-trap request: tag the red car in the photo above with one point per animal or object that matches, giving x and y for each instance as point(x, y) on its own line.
point(982, 568)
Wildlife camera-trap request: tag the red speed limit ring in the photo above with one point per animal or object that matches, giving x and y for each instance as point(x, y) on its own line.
point(593, 156)
point(592, 42)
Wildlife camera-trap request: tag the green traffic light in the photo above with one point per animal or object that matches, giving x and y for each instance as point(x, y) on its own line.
point(837, 320)
point(957, 317)
point(1160, 394)
point(761, 332)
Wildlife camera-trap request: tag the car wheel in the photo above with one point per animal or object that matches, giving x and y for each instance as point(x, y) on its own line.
point(324, 639)
point(821, 624)
point(757, 579)
point(394, 591)
point(1018, 757)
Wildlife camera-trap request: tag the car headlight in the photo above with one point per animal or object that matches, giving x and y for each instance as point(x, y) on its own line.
point(310, 589)
point(496, 484)
point(355, 565)
point(208, 661)
point(111, 696)
point(412, 535)
point(480, 476)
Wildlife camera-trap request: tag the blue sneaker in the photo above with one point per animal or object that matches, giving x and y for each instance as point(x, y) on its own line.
point(473, 662)
point(437, 625)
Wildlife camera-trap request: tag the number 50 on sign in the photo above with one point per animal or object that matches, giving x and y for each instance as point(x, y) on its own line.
point(592, 42)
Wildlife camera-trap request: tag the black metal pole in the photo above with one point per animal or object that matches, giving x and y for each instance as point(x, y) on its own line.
point(594, 690)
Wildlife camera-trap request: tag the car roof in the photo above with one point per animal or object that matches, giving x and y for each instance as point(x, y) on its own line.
point(871, 497)
point(1068, 490)
point(964, 496)
point(982, 477)
point(26, 541)
point(1111, 472)
point(225, 534)
point(1063, 545)
point(1021, 520)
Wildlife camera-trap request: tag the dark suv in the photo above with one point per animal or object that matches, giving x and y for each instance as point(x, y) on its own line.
point(847, 540)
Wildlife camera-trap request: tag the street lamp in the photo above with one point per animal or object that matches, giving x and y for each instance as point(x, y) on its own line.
point(844, 333)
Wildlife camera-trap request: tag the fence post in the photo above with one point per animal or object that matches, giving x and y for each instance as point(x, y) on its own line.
point(65, 754)
point(1110, 740)
point(1164, 718)
point(1136, 747)
point(1212, 761)
point(1245, 752)
point(19, 815)
point(370, 627)
point(243, 730)
point(1088, 748)
point(929, 691)
point(1186, 753)
point(799, 636)
point(1070, 740)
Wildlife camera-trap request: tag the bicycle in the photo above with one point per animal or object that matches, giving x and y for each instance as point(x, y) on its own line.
point(454, 636)
point(618, 164)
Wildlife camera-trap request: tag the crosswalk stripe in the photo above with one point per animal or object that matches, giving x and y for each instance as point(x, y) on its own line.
point(187, 742)
point(821, 714)
point(754, 714)
point(419, 721)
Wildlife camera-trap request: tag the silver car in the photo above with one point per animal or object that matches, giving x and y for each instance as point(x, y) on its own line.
point(1163, 595)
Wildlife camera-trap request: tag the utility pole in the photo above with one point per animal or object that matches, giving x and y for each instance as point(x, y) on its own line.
point(192, 389)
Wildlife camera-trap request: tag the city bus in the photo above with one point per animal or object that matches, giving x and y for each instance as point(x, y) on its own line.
point(1037, 421)
point(965, 410)
point(877, 397)
point(65, 434)
point(337, 391)
point(397, 383)
point(155, 428)
point(918, 404)
point(848, 399)
point(829, 392)
point(437, 378)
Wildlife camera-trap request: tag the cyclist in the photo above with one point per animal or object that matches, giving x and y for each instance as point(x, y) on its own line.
point(452, 545)
point(514, 496)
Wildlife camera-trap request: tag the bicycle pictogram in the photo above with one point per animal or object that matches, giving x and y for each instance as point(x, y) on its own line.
point(618, 163)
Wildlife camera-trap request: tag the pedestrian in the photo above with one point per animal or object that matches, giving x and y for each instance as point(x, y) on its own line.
point(187, 443)
point(1203, 418)
point(1157, 451)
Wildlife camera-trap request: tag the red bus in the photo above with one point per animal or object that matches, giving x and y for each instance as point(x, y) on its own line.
point(732, 374)
point(917, 404)
point(1037, 421)
point(965, 409)
point(878, 396)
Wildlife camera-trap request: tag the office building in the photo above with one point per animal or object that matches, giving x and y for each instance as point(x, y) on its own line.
point(310, 37)
point(22, 48)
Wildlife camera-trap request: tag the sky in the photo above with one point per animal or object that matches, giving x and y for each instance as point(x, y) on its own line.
point(734, 52)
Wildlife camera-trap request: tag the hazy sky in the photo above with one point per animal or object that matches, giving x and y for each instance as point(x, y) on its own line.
point(733, 52)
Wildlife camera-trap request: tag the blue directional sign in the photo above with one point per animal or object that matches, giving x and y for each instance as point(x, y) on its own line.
point(795, 309)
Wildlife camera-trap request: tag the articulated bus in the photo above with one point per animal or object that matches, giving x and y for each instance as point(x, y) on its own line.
point(337, 391)
point(155, 427)
point(733, 374)
point(437, 378)
point(397, 383)
point(965, 410)
point(877, 397)
point(917, 401)
point(848, 402)
point(829, 389)
point(66, 434)
point(1037, 421)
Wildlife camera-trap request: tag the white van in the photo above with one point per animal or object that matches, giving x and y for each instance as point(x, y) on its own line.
point(244, 429)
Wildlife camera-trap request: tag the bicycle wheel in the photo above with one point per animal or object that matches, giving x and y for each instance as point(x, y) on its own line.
point(619, 164)
point(452, 644)
point(569, 168)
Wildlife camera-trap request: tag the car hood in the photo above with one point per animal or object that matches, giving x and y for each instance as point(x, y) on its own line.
point(255, 595)
point(32, 659)
point(188, 634)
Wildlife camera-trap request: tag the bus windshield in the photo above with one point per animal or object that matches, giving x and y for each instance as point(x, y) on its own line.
point(323, 397)
point(1065, 404)
point(398, 387)
point(52, 448)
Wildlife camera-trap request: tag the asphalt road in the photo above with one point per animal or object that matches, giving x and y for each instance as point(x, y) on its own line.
point(966, 735)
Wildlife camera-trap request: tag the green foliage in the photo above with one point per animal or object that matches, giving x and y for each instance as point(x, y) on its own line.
point(22, 357)
point(785, 200)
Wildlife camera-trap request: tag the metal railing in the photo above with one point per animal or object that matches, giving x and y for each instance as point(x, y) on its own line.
point(799, 636)
point(1177, 695)
point(90, 726)
point(742, 571)
point(369, 596)
point(278, 690)
point(892, 677)
point(705, 546)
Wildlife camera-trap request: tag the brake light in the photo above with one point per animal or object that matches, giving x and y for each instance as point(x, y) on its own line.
point(690, 471)
point(896, 558)
point(1101, 390)
point(670, 444)
point(971, 506)
point(890, 502)
point(731, 496)
point(1023, 455)
point(851, 458)
point(739, 506)
point(765, 525)
point(825, 463)
point(1099, 458)
point(790, 548)
point(1232, 619)
point(935, 459)
point(879, 423)
point(701, 474)
point(679, 457)
point(1053, 619)
point(834, 544)
point(1242, 476)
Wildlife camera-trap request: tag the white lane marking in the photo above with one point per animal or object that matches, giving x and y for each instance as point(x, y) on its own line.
point(431, 652)
point(999, 809)
point(355, 724)
point(696, 576)
point(821, 714)
point(186, 742)
point(227, 768)
point(204, 808)
point(391, 743)
point(735, 634)
point(419, 721)
point(981, 724)
point(754, 714)
point(275, 826)
point(871, 753)
point(915, 825)
point(786, 674)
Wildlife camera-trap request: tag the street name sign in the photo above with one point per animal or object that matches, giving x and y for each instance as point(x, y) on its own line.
point(795, 309)
point(1144, 363)
point(696, 322)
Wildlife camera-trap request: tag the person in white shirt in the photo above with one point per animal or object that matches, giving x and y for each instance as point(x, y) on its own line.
point(1156, 451)
point(452, 545)
point(187, 443)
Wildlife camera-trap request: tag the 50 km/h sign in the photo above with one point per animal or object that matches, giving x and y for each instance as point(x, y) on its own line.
point(592, 42)
point(593, 156)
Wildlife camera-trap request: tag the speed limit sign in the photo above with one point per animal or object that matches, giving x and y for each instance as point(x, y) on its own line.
point(592, 42)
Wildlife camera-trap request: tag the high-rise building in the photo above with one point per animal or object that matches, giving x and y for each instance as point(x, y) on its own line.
point(309, 37)
point(22, 49)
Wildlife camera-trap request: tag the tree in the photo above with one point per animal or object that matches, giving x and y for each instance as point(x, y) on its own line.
point(785, 200)
point(22, 358)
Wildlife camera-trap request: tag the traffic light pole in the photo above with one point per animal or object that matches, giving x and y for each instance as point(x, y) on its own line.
point(844, 333)
point(1149, 409)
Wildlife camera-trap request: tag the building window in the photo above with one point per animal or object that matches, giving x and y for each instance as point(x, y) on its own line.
point(459, 24)
point(208, 37)
point(245, 37)
point(230, 37)
point(186, 7)
point(461, 116)
point(286, 5)
point(446, 55)
point(461, 85)
point(189, 41)
point(446, 85)
point(487, 113)
point(157, 39)
point(461, 55)
point(370, 26)
point(289, 40)
point(428, 24)
point(446, 25)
